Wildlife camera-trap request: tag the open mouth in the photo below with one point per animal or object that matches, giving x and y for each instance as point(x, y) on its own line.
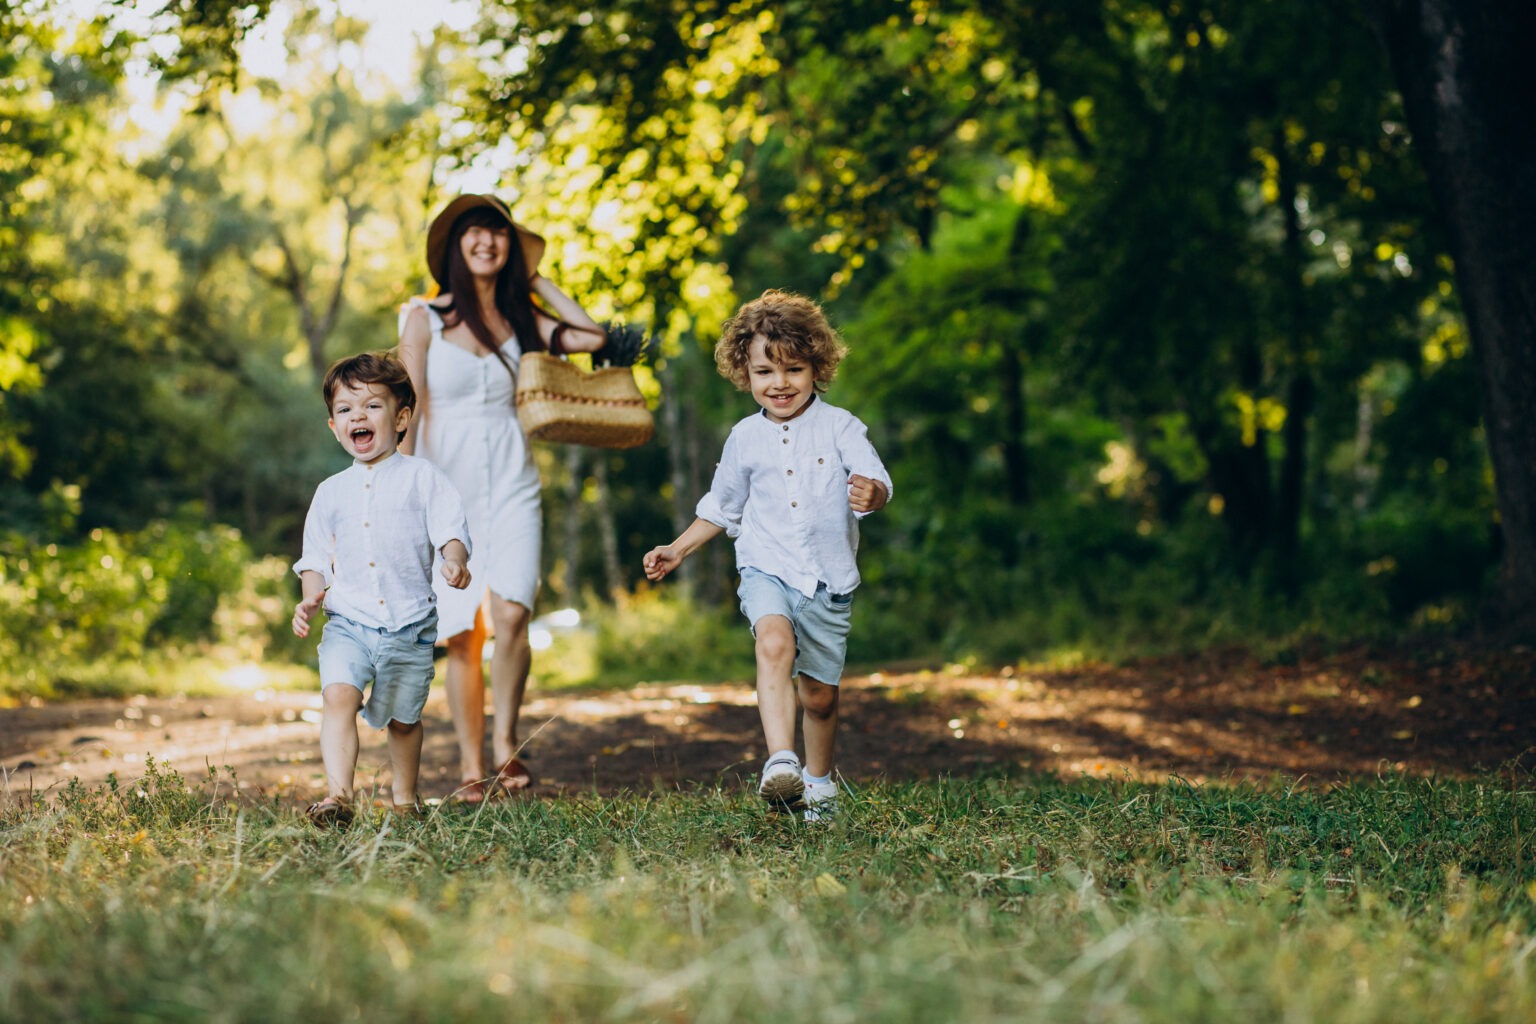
point(362, 437)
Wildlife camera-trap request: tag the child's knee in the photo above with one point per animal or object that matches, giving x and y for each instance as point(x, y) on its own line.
point(775, 638)
point(818, 699)
point(341, 697)
point(403, 729)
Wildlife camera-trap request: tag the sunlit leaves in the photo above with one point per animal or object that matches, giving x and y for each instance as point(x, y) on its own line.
point(195, 39)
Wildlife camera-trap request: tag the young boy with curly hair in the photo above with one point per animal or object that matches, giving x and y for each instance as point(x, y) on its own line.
point(370, 538)
point(793, 482)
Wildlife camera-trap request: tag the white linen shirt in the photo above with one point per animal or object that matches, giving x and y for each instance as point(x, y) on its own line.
point(781, 491)
point(373, 531)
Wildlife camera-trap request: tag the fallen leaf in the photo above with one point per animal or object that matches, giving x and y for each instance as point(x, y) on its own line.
point(826, 885)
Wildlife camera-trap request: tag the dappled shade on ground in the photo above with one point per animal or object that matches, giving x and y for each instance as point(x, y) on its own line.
point(1217, 717)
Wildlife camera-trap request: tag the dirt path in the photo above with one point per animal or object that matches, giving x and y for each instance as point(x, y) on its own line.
point(1219, 717)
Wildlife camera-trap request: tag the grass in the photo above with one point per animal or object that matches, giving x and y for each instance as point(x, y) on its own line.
point(990, 899)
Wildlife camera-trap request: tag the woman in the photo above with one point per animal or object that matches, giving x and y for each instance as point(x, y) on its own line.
point(461, 349)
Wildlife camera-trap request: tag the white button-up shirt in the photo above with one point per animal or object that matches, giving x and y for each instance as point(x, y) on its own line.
point(372, 533)
point(781, 490)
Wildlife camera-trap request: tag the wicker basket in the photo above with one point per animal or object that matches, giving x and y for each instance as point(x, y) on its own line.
point(560, 402)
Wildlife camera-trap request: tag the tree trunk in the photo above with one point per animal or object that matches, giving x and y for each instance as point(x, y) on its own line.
point(672, 382)
point(1466, 73)
point(1015, 454)
point(1301, 389)
point(608, 535)
point(570, 534)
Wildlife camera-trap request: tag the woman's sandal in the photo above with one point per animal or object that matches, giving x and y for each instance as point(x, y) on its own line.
point(332, 812)
point(512, 777)
point(471, 792)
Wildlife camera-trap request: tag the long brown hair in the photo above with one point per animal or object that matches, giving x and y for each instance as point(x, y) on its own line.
point(513, 298)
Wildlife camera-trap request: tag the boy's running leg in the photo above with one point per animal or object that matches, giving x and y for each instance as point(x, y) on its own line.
point(820, 703)
point(340, 704)
point(775, 681)
point(405, 761)
point(775, 648)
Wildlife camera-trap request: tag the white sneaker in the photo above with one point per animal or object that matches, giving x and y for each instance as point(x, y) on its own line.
point(781, 782)
point(820, 800)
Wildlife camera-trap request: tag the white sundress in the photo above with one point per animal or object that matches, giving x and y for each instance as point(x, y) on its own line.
point(469, 428)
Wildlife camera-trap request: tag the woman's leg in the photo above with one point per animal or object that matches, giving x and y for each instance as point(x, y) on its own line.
point(509, 678)
point(465, 685)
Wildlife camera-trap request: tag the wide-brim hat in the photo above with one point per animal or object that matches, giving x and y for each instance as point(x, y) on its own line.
point(442, 225)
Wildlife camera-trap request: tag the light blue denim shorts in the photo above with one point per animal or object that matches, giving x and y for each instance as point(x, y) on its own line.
point(398, 664)
point(820, 622)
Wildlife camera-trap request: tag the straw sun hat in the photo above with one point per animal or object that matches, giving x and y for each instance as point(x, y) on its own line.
point(437, 235)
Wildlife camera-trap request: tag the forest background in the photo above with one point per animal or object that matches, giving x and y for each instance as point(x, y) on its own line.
point(1152, 309)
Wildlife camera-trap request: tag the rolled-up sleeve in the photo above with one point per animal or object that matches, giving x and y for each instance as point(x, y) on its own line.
point(446, 519)
point(859, 456)
point(319, 552)
point(727, 495)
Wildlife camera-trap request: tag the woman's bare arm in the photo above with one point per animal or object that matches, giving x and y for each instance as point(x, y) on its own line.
point(583, 334)
point(413, 353)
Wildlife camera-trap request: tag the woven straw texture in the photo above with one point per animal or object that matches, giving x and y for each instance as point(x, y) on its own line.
point(559, 402)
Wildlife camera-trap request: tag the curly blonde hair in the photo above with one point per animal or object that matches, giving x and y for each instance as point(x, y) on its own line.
point(793, 326)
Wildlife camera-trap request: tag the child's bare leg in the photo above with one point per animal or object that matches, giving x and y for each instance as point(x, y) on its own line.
point(405, 760)
point(340, 703)
point(775, 681)
point(820, 703)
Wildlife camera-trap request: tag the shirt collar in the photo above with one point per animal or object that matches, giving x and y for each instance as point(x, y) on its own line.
point(380, 466)
point(810, 410)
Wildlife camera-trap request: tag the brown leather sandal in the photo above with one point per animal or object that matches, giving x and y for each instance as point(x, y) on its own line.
point(512, 777)
point(332, 812)
point(469, 793)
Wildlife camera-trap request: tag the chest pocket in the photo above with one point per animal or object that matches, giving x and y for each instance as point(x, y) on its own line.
point(825, 480)
point(823, 464)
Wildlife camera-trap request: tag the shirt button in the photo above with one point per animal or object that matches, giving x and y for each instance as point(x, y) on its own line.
point(794, 504)
point(786, 426)
point(365, 523)
point(372, 565)
point(820, 461)
point(789, 472)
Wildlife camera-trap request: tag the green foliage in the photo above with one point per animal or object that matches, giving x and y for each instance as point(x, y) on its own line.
point(84, 617)
point(201, 562)
point(655, 637)
point(989, 899)
point(1147, 310)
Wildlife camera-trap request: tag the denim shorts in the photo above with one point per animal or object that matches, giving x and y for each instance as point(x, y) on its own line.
point(397, 662)
point(820, 622)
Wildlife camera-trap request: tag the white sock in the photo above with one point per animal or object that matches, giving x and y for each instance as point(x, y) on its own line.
point(814, 780)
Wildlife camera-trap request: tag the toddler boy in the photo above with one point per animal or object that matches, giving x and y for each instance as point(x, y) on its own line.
point(370, 539)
